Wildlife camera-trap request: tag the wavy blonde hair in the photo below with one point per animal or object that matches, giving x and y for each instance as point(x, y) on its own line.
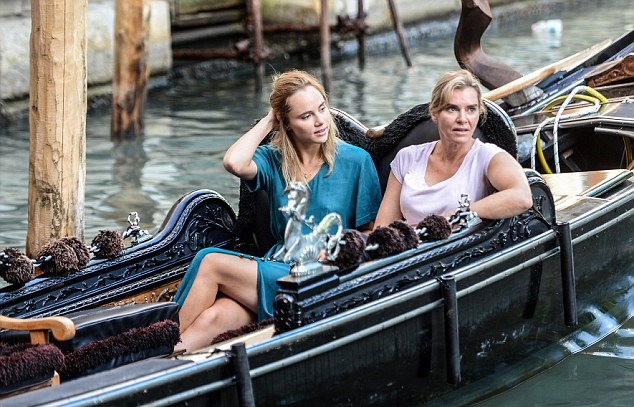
point(450, 81)
point(284, 86)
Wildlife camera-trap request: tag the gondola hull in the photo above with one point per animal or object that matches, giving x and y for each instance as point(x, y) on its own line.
point(450, 322)
point(514, 317)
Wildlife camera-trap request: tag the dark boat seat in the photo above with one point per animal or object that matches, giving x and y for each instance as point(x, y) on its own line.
point(252, 224)
point(33, 363)
point(411, 127)
point(416, 127)
point(111, 336)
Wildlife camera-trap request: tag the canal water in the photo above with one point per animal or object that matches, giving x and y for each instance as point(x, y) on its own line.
point(193, 117)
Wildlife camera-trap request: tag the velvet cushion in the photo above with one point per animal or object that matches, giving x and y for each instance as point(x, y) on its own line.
point(107, 337)
point(103, 322)
point(24, 365)
point(415, 127)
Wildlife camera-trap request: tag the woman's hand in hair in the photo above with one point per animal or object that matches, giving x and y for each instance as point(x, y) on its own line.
point(238, 159)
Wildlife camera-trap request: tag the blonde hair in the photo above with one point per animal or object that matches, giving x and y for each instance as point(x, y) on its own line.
point(284, 86)
point(450, 81)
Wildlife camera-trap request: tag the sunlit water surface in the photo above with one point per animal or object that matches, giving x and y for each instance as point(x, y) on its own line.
point(191, 122)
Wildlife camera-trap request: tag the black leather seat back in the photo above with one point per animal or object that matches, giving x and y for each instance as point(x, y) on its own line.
point(416, 127)
point(254, 220)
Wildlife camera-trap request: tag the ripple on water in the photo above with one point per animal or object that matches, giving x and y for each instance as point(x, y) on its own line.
point(7, 208)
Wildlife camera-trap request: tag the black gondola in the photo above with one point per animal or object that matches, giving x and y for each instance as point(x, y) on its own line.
point(448, 322)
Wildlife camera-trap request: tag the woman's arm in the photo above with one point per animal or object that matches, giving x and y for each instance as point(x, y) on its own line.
point(514, 194)
point(390, 209)
point(238, 159)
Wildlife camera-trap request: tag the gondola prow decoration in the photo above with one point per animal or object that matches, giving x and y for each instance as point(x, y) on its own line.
point(15, 266)
point(303, 250)
point(464, 217)
point(58, 257)
point(134, 230)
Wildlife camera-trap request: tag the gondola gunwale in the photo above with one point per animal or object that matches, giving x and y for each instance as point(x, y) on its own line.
point(189, 370)
point(25, 301)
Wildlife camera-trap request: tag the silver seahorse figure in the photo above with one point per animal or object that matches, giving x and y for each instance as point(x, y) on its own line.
point(301, 250)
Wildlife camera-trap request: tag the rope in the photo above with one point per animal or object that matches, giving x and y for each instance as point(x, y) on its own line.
point(595, 97)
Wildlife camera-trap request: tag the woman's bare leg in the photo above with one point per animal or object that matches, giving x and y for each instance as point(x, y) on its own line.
point(224, 315)
point(234, 276)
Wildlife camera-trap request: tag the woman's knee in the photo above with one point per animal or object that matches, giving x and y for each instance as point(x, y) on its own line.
point(209, 317)
point(209, 264)
point(225, 314)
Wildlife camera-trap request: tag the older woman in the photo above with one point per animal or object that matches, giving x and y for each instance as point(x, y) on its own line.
point(429, 178)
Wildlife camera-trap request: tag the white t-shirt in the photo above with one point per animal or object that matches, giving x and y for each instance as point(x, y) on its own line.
point(419, 200)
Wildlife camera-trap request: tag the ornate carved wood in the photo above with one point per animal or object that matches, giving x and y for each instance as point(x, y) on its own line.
point(301, 301)
point(200, 219)
point(613, 72)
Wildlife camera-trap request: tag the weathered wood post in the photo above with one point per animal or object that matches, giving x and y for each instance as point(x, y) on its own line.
point(57, 119)
point(254, 29)
point(131, 68)
point(324, 37)
point(361, 34)
point(398, 27)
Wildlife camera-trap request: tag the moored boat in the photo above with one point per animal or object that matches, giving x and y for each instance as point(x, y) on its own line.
point(448, 322)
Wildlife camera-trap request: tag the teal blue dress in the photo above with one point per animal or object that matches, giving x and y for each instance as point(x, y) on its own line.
point(352, 190)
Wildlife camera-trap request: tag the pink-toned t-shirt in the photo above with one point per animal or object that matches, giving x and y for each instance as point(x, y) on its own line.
point(419, 199)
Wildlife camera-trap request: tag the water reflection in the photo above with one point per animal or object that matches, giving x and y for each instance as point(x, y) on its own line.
point(129, 160)
point(599, 376)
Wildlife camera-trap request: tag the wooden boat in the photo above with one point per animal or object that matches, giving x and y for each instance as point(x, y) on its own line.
point(607, 67)
point(446, 323)
point(449, 322)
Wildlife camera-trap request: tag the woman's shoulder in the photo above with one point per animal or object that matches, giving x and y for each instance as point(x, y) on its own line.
point(487, 146)
point(347, 149)
point(416, 149)
point(269, 151)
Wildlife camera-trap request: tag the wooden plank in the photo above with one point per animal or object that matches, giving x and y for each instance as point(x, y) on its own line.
point(57, 119)
point(543, 73)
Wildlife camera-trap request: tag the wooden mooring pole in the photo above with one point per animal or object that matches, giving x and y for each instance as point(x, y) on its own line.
point(131, 68)
point(398, 27)
point(361, 33)
point(254, 29)
point(57, 119)
point(324, 36)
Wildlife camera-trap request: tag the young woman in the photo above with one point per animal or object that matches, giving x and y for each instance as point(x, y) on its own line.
point(429, 178)
point(225, 290)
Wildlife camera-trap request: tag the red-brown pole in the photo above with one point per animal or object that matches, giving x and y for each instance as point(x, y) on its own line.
point(398, 27)
point(131, 69)
point(361, 34)
point(324, 35)
point(254, 28)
